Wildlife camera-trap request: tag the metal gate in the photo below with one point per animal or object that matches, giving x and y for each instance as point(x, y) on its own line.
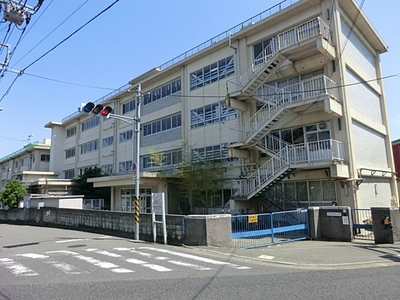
point(250, 231)
point(362, 224)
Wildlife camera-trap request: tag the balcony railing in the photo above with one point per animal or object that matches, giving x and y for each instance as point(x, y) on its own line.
point(297, 93)
point(289, 157)
point(293, 36)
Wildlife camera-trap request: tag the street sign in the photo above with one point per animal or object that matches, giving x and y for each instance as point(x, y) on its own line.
point(158, 207)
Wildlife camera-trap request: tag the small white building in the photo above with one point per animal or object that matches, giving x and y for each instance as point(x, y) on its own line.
point(69, 201)
point(31, 166)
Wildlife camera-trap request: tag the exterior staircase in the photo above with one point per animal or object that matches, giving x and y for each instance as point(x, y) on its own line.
point(284, 157)
point(283, 163)
point(273, 56)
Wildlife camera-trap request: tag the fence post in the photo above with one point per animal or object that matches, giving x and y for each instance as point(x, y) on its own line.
point(272, 228)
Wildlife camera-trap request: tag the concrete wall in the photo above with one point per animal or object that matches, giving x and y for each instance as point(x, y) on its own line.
point(330, 223)
point(190, 230)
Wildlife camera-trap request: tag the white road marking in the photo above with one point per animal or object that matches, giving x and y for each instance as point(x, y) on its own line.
point(62, 266)
point(198, 258)
point(268, 257)
point(197, 267)
point(33, 255)
point(103, 252)
point(102, 264)
point(146, 265)
point(16, 268)
point(71, 240)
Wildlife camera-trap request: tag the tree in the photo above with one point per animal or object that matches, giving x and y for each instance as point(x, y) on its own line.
point(199, 178)
point(13, 193)
point(82, 187)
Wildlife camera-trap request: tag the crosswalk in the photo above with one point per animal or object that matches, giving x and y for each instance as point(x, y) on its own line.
point(120, 260)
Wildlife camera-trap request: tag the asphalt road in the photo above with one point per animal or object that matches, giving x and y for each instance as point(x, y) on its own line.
point(47, 263)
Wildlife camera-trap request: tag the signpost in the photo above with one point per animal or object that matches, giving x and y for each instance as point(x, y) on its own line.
point(158, 207)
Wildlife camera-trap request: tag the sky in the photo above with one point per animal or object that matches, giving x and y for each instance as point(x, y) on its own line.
point(73, 52)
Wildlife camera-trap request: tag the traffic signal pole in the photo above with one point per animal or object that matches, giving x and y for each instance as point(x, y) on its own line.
point(92, 108)
point(137, 175)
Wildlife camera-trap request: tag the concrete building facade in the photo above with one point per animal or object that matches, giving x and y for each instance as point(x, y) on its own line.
point(31, 166)
point(290, 101)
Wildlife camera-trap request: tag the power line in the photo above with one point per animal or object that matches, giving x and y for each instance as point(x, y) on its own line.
point(52, 30)
point(70, 83)
point(56, 46)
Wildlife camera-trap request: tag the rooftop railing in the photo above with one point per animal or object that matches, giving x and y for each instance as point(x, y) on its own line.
point(262, 15)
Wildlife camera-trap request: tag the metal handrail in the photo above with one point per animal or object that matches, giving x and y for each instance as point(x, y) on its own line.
point(296, 93)
point(324, 150)
point(295, 35)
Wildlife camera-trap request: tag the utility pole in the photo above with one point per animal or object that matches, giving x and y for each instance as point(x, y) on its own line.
point(137, 175)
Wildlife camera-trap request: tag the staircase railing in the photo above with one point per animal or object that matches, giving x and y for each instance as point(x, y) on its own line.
point(295, 35)
point(288, 157)
point(271, 143)
point(306, 89)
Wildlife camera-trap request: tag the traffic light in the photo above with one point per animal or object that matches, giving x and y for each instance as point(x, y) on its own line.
point(90, 107)
point(106, 111)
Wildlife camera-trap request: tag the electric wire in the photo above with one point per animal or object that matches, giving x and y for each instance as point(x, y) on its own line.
point(56, 46)
point(71, 83)
point(76, 10)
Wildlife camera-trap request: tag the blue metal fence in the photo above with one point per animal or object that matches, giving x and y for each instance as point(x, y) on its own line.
point(250, 231)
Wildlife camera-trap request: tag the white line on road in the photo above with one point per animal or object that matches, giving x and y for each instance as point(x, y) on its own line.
point(198, 258)
point(71, 240)
point(102, 264)
point(16, 268)
point(62, 266)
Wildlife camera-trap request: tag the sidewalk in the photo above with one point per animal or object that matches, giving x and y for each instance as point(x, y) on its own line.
point(319, 254)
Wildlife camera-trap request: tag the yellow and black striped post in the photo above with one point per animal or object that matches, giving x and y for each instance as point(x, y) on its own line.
point(137, 210)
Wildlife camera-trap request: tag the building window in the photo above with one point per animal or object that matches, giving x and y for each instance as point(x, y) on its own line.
point(169, 158)
point(70, 153)
point(162, 125)
point(71, 132)
point(309, 133)
point(295, 194)
point(125, 136)
point(162, 92)
point(217, 153)
point(107, 169)
point(89, 147)
point(127, 107)
point(211, 114)
point(24, 161)
point(108, 141)
point(84, 169)
point(93, 122)
point(45, 157)
point(125, 166)
point(268, 45)
point(69, 174)
point(212, 73)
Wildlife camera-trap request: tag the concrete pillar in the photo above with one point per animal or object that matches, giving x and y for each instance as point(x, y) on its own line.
point(386, 233)
point(208, 230)
point(330, 223)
